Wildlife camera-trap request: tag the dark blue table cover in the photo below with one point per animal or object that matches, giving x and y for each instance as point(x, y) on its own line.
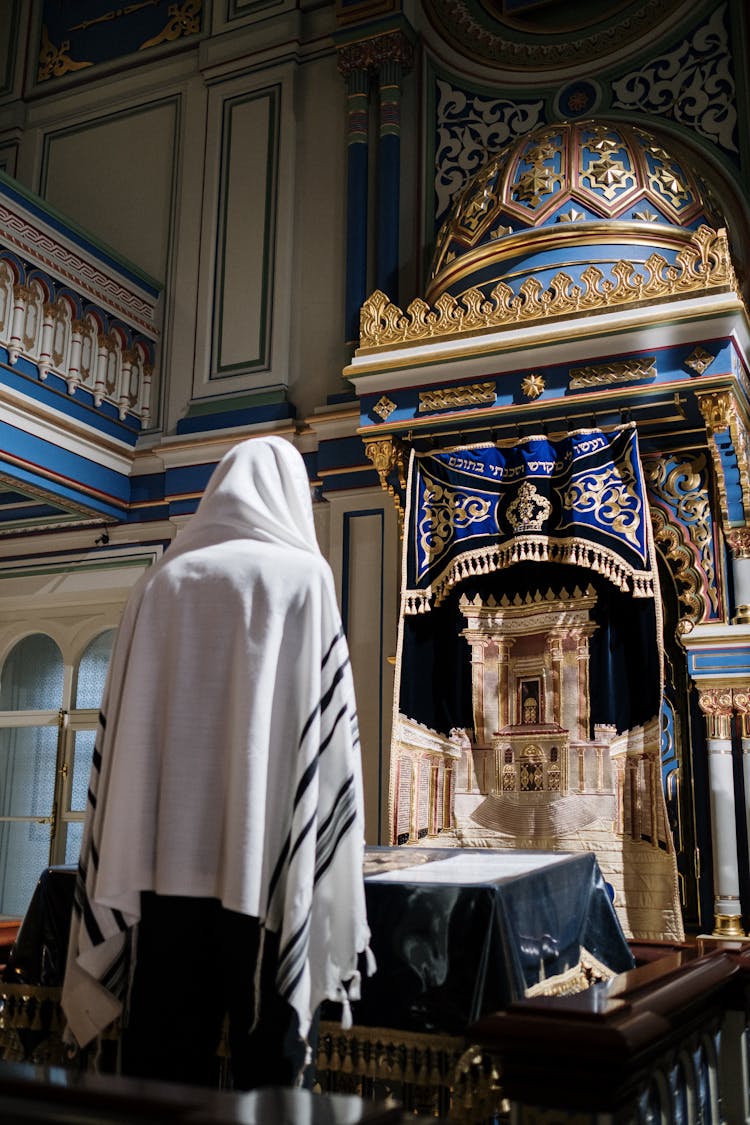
point(447, 952)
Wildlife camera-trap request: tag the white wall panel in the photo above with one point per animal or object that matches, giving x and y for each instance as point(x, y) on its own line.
point(363, 544)
point(247, 234)
point(103, 172)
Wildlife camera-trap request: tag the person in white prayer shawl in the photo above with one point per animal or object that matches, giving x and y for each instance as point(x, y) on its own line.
point(221, 863)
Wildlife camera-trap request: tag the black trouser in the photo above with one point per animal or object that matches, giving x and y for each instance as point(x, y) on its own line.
point(196, 963)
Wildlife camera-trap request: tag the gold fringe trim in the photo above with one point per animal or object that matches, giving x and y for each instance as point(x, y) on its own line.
point(589, 970)
point(533, 548)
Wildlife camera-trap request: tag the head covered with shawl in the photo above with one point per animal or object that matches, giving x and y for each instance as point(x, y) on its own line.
point(227, 760)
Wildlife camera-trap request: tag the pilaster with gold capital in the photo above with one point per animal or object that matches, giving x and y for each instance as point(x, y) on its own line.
point(738, 541)
point(728, 445)
point(717, 705)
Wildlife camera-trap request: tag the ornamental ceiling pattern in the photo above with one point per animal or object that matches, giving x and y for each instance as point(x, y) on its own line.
point(689, 84)
point(558, 34)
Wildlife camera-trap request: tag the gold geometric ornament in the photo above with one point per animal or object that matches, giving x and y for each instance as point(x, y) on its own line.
point(624, 371)
point(699, 360)
point(443, 398)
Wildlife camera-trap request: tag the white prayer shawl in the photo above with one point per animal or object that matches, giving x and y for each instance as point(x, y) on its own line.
point(227, 761)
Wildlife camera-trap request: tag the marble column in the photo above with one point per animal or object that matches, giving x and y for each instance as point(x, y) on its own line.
point(717, 706)
point(741, 701)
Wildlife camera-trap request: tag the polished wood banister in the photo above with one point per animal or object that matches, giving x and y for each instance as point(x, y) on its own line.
point(595, 1050)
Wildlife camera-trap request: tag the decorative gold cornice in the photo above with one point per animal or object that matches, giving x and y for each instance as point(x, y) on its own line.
point(370, 54)
point(506, 255)
point(703, 265)
point(720, 411)
point(624, 371)
point(444, 398)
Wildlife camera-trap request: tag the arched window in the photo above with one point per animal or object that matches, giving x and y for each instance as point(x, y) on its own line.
point(47, 727)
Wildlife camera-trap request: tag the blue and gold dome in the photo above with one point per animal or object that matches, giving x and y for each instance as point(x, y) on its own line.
point(564, 198)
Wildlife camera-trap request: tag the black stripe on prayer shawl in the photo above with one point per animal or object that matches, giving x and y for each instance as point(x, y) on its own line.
point(95, 935)
point(329, 836)
point(116, 976)
point(334, 828)
point(331, 647)
point(288, 849)
point(311, 768)
point(292, 959)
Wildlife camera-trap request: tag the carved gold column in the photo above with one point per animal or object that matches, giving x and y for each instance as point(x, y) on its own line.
point(738, 540)
point(717, 706)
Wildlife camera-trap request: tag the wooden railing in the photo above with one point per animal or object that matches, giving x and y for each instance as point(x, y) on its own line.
point(665, 1042)
point(52, 1095)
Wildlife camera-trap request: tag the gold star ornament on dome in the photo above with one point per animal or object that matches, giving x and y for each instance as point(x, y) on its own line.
point(532, 386)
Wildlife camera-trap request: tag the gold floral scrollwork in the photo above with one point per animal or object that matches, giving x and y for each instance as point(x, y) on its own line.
point(388, 456)
point(717, 706)
point(611, 497)
point(55, 61)
point(681, 520)
point(445, 510)
point(184, 19)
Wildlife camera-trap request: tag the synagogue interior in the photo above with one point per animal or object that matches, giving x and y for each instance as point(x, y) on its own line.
point(484, 265)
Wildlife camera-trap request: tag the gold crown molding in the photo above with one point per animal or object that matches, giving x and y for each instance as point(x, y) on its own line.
point(444, 398)
point(457, 266)
point(509, 247)
point(702, 266)
point(720, 411)
point(624, 371)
